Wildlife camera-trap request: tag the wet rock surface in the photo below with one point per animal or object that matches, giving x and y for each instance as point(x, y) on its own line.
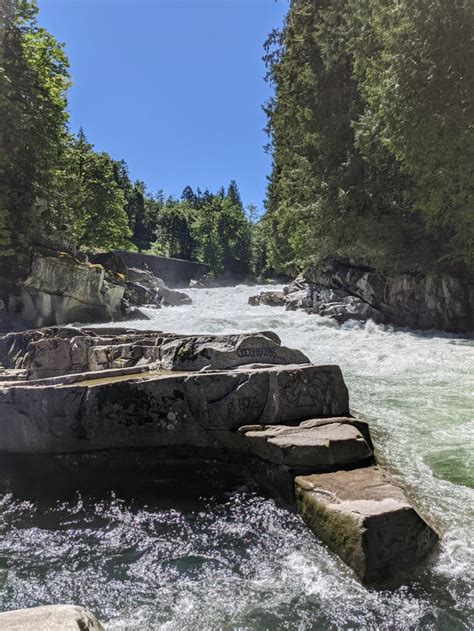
point(366, 519)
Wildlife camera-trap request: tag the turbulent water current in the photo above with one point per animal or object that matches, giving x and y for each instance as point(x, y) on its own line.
point(195, 548)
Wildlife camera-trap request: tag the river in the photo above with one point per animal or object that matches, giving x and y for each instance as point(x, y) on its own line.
point(197, 549)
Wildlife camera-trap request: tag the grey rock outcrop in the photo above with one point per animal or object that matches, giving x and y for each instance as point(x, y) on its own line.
point(106, 393)
point(50, 618)
point(421, 301)
point(62, 351)
point(59, 289)
point(366, 519)
point(143, 288)
point(56, 288)
point(344, 292)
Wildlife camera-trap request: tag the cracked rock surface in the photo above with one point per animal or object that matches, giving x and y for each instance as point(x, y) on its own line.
point(245, 399)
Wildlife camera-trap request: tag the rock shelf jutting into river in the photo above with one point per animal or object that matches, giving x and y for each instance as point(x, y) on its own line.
point(190, 544)
point(242, 399)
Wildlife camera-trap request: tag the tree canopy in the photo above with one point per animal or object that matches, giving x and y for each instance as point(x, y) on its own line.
point(55, 185)
point(372, 134)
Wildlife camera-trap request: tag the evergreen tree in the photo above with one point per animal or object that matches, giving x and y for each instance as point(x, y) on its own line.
point(371, 128)
point(88, 204)
point(33, 83)
point(189, 196)
point(233, 194)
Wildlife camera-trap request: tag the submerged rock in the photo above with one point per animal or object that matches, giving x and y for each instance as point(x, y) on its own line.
point(367, 520)
point(270, 298)
point(50, 618)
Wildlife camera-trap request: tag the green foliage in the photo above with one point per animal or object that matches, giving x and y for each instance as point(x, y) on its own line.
point(56, 187)
point(209, 227)
point(87, 204)
point(33, 83)
point(371, 131)
point(175, 229)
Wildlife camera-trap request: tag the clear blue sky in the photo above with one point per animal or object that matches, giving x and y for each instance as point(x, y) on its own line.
point(174, 87)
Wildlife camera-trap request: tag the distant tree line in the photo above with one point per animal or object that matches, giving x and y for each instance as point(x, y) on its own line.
point(372, 134)
point(54, 183)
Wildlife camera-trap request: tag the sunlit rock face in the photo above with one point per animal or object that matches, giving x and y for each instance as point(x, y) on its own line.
point(367, 520)
point(343, 292)
point(58, 351)
point(59, 289)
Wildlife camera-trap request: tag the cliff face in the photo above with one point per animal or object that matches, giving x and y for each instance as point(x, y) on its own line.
point(432, 301)
point(344, 292)
point(57, 289)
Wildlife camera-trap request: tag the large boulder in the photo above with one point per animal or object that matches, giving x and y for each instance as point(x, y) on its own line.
point(50, 618)
point(144, 288)
point(59, 289)
point(227, 351)
point(174, 298)
point(366, 519)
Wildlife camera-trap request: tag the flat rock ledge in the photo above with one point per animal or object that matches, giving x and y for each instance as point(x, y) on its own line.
point(50, 618)
point(92, 394)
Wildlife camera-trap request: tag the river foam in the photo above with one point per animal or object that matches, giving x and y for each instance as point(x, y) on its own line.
point(194, 549)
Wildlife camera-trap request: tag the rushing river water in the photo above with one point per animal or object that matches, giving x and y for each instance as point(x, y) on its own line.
point(196, 549)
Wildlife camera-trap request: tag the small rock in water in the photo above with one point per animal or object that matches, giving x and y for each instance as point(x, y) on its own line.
point(50, 618)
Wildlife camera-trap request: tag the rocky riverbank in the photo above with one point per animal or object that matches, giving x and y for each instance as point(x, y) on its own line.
point(59, 288)
point(344, 292)
point(96, 395)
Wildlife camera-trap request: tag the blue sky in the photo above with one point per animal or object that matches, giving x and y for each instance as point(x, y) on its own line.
point(174, 87)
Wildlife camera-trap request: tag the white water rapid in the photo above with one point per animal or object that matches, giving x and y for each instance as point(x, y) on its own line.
point(143, 559)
